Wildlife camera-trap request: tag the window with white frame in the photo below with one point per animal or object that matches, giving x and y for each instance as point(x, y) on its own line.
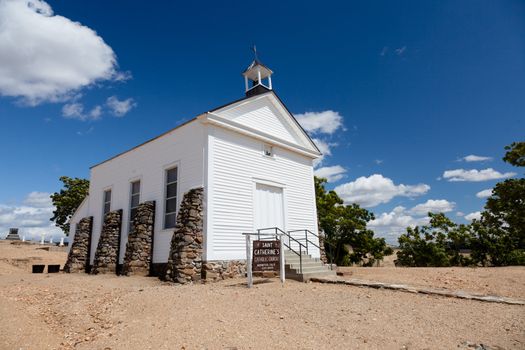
point(170, 203)
point(107, 201)
point(134, 200)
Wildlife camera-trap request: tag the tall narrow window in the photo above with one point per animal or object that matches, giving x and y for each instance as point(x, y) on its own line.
point(107, 201)
point(134, 200)
point(170, 205)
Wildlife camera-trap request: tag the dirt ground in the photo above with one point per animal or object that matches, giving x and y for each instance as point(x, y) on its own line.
point(500, 281)
point(77, 311)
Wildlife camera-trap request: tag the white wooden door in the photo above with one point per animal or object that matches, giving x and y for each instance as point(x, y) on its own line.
point(269, 207)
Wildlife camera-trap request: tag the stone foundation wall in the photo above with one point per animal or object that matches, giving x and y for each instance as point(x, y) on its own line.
point(108, 244)
point(322, 248)
point(219, 270)
point(78, 257)
point(137, 260)
point(185, 258)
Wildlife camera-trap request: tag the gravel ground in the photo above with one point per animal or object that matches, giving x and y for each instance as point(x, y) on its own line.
point(77, 311)
point(501, 281)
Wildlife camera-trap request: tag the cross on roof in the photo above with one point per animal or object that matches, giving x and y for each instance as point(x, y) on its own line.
point(254, 49)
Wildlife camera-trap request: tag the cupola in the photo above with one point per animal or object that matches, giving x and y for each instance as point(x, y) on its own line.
point(257, 77)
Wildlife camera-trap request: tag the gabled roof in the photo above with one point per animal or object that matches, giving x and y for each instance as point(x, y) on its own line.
point(306, 140)
point(243, 99)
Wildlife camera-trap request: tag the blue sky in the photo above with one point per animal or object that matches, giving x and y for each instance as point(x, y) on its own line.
point(405, 90)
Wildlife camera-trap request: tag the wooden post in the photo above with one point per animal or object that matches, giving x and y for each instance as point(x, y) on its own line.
point(249, 261)
point(282, 260)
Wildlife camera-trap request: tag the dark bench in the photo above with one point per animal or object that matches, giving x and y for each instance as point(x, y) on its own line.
point(38, 268)
point(53, 268)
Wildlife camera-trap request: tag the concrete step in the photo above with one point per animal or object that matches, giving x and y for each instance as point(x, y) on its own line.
point(307, 276)
point(311, 267)
point(295, 258)
point(305, 260)
point(317, 267)
point(307, 271)
point(305, 264)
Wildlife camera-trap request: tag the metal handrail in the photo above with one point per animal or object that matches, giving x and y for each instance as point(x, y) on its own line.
point(302, 247)
point(300, 253)
point(293, 250)
point(306, 238)
point(313, 234)
point(325, 240)
point(277, 229)
point(333, 248)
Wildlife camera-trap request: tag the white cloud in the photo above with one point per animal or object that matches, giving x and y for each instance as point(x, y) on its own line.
point(460, 213)
point(122, 76)
point(485, 193)
point(397, 219)
point(326, 122)
point(331, 173)
point(434, 206)
point(31, 217)
point(76, 111)
point(47, 57)
point(401, 50)
point(88, 131)
point(73, 110)
point(325, 148)
point(38, 199)
point(378, 161)
point(95, 112)
point(475, 215)
point(475, 175)
point(473, 158)
point(391, 225)
point(376, 189)
point(120, 107)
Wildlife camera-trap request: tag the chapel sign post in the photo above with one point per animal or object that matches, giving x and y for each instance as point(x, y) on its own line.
point(267, 255)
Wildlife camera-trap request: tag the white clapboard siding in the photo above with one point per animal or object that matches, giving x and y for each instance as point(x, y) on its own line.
point(263, 116)
point(268, 115)
point(182, 147)
point(236, 164)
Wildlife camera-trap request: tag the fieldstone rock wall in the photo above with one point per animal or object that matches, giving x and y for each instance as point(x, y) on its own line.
point(220, 270)
point(322, 248)
point(78, 258)
point(137, 260)
point(185, 258)
point(108, 244)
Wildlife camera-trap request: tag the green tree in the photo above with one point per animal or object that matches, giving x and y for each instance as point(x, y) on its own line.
point(348, 239)
point(68, 200)
point(499, 237)
point(437, 244)
point(515, 154)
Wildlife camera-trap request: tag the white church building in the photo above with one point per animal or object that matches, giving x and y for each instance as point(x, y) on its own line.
point(252, 159)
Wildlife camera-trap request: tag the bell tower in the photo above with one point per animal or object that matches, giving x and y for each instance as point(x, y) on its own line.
point(257, 77)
